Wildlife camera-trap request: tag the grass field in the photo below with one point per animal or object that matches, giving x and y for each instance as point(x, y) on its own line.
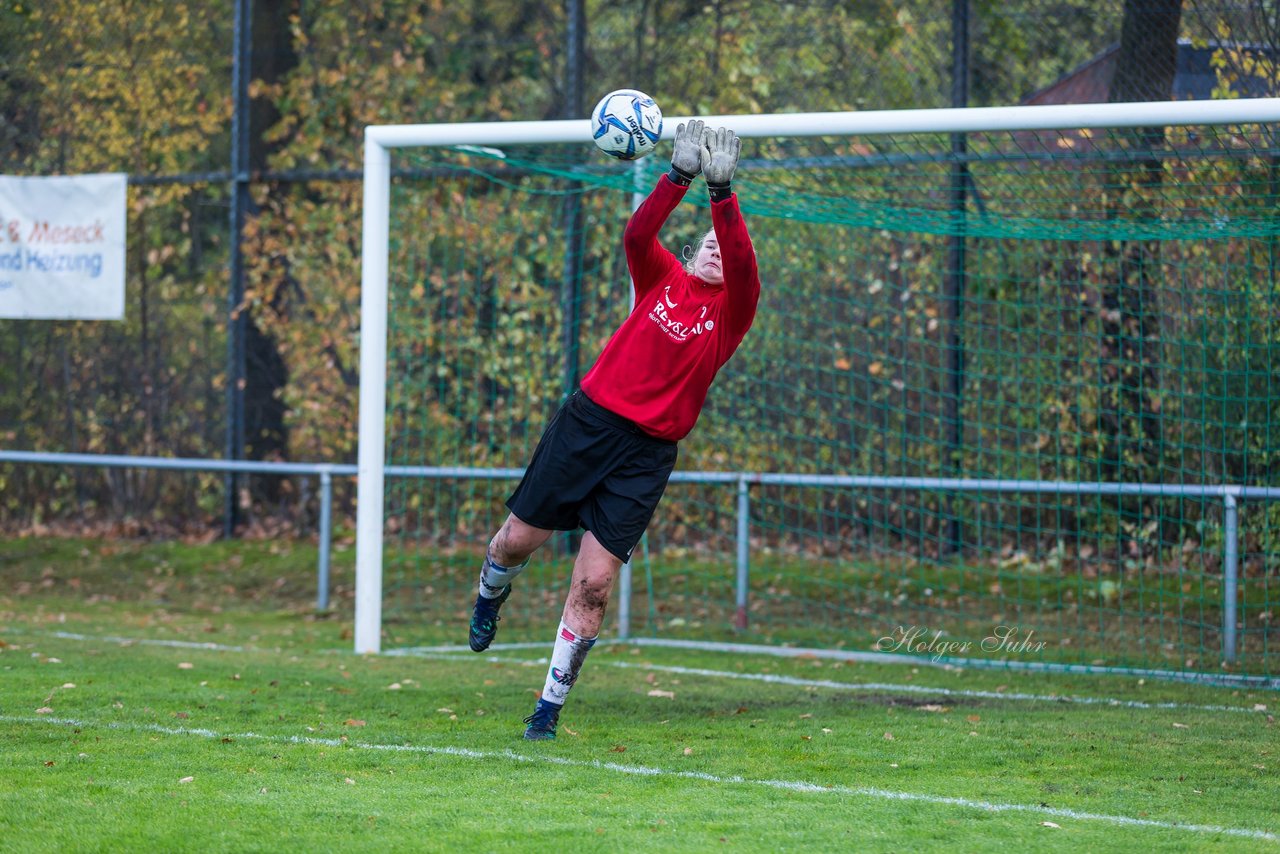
point(175, 697)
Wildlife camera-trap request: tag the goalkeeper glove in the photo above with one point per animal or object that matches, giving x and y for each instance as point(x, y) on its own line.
point(686, 157)
point(720, 150)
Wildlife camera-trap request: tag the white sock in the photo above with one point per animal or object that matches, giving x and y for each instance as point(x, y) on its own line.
point(494, 577)
point(566, 660)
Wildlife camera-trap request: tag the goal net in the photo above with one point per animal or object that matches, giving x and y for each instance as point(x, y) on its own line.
point(1013, 367)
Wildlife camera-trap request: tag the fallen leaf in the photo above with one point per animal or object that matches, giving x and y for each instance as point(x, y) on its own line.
point(1050, 824)
point(933, 707)
point(1259, 707)
point(349, 781)
point(888, 736)
point(825, 729)
point(182, 715)
point(72, 685)
point(843, 364)
point(658, 692)
point(803, 717)
point(618, 748)
point(444, 711)
point(44, 710)
point(688, 751)
point(394, 686)
point(893, 764)
point(186, 665)
point(807, 737)
point(569, 731)
point(49, 764)
point(353, 722)
point(1181, 726)
point(186, 779)
point(973, 719)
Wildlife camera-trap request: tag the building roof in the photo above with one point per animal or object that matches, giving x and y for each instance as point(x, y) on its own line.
point(1194, 80)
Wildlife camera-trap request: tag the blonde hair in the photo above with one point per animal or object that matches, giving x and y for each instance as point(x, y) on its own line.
point(689, 254)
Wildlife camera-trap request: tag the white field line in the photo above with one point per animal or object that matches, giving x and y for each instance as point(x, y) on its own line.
point(650, 771)
point(799, 682)
point(212, 647)
point(941, 662)
point(793, 681)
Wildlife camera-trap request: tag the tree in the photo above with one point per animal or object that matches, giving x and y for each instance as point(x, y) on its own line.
point(128, 87)
point(266, 371)
point(1130, 350)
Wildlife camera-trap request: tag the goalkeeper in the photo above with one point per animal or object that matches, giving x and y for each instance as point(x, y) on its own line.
point(605, 457)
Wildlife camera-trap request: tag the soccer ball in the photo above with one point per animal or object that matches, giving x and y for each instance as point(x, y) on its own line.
point(626, 124)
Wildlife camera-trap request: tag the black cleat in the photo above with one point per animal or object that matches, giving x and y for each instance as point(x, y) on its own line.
point(484, 620)
point(542, 723)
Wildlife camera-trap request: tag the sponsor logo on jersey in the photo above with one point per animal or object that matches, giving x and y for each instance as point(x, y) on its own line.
point(678, 330)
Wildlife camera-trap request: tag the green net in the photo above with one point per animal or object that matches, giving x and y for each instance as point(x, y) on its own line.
point(1076, 307)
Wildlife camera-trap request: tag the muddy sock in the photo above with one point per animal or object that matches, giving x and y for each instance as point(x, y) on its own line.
point(494, 577)
point(566, 660)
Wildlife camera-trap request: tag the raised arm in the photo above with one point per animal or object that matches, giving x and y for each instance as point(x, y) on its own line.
point(647, 260)
point(720, 150)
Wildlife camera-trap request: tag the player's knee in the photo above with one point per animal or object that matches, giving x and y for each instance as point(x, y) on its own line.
point(515, 541)
point(592, 592)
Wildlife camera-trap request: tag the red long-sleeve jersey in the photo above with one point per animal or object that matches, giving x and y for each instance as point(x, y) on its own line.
point(657, 367)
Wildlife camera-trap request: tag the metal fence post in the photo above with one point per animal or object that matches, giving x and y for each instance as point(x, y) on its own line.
point(624, 602)
point(1230, 578)
point(326, 528)
point(237, 317)
point(744, 528)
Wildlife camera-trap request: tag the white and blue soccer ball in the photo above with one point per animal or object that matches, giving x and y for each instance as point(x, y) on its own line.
point(626, 124)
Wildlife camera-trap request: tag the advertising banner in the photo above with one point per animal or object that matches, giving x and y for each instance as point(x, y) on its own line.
point(62, 247)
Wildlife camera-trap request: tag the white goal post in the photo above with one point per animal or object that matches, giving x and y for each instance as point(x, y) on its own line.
point(380, 139)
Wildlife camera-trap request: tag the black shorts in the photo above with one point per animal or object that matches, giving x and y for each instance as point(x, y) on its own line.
point(594, 469)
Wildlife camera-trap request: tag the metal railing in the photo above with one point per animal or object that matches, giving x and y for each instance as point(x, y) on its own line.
point(1230, 496)
point(324, 471)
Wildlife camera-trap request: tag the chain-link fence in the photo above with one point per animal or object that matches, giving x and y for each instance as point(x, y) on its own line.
point(147, 90)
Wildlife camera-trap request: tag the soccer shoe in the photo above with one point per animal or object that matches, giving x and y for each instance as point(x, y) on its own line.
point(484, 620)
point(542, 723)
